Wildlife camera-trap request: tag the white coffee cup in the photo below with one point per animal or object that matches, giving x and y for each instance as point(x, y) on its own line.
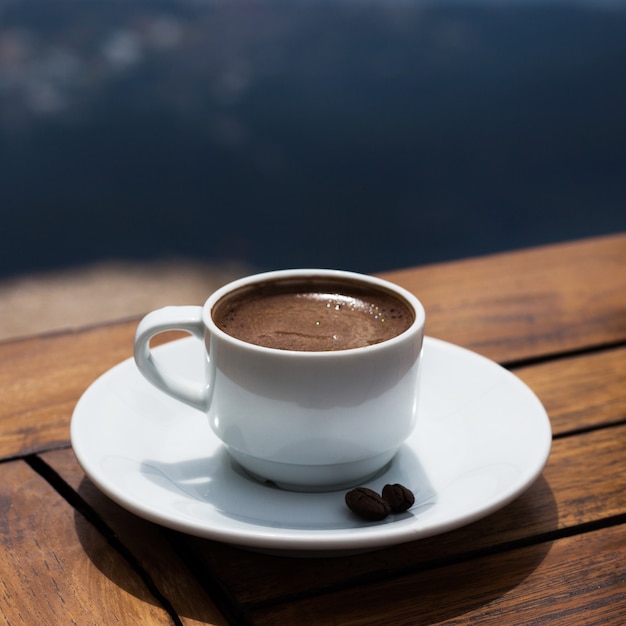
point(307, 420)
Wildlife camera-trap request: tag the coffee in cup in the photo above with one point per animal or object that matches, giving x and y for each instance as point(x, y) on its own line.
point(312, 376)
point(312, 314)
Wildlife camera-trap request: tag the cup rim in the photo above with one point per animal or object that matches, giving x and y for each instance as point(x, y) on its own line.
point(416, 327)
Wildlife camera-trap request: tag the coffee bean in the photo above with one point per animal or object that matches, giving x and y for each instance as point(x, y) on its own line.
point(367, 504)
point(398, 497)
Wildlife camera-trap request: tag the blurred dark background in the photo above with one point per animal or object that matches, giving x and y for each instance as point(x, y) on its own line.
point(353, 134)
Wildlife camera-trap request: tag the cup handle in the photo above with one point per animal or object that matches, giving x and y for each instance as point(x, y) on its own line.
point(187, 319)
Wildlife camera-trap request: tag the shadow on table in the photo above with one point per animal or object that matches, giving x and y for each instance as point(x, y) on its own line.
point(135, 564)
point(428, 578)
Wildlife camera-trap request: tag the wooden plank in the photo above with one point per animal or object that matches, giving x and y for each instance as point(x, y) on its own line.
point(527, 303)
point(583, 482)
point(578, 580)
point(56, 568)
point(148, 544)
point(581, 391)
point(42, 378)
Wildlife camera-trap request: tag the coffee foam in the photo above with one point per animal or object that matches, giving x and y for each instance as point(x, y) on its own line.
point(313, 317)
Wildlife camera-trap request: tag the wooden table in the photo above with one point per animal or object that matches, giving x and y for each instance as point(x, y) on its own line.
point(555, 315)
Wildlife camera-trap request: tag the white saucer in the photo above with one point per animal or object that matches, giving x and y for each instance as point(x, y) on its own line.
point(482, 438)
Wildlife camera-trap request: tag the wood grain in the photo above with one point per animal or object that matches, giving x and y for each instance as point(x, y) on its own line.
point(148, 544)
point(527, 303)
point(581, 391)
point(47, 578)
point(570, 581)
point(42, 378)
